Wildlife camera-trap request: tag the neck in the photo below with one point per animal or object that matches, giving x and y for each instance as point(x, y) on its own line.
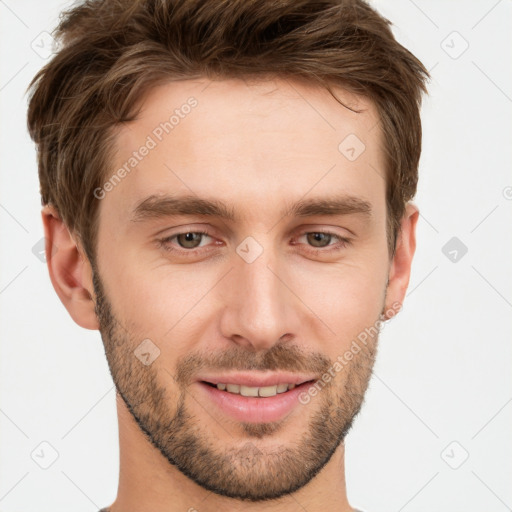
point(147, 481)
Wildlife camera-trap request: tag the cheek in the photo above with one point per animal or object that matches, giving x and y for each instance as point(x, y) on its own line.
point(163, 302)
point(347, 299)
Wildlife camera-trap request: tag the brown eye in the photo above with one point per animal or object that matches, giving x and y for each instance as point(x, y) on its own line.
point(189, 240)
point(320, 243)
point(319, 239)
point(185, 242)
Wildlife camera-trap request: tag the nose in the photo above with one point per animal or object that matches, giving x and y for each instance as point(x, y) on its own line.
point(260, 309)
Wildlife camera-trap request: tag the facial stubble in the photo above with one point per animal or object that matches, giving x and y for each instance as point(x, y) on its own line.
point(244, 471)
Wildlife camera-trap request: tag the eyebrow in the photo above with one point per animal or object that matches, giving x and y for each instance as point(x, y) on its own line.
point(161, 206)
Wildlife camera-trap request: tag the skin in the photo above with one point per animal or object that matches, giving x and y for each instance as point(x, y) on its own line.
point(256, 146)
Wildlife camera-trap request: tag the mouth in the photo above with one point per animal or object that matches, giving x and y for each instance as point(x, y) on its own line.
point(253, 399)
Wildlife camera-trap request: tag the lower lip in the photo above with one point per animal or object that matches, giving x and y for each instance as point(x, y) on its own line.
point(251, 409)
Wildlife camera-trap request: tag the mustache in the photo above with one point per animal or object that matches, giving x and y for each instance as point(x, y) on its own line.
point(279, 357)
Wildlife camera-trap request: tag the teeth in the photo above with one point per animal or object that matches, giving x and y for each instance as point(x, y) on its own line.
point(248, 391)
point(233, 388)
point(281, 388)
point(264, 391)
point(268, 391)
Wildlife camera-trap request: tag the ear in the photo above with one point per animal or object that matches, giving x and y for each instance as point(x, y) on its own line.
point(400, 267)
point(70, 270)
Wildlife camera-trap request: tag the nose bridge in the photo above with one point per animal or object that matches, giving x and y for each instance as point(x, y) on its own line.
point(259, 307)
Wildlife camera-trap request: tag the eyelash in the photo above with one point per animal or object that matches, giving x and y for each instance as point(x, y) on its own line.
point(343, 243)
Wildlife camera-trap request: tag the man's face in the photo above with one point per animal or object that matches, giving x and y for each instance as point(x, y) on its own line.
point(266, 298)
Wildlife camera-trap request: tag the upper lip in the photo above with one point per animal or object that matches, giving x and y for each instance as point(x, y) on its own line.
point(257, 380)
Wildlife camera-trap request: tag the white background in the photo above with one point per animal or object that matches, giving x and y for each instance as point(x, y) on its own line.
point(443, 373)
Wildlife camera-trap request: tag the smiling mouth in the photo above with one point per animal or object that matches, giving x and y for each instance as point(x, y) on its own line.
point(253, 391)
point(250, 398)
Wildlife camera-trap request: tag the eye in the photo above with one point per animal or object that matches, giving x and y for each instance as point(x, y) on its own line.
point(190, 240)
point(186, 241)
point(320, 238)
point(318, 242)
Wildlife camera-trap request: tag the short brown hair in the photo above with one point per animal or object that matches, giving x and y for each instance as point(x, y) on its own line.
point(113, 51)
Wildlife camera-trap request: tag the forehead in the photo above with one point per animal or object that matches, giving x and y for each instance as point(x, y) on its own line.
point(253, 143)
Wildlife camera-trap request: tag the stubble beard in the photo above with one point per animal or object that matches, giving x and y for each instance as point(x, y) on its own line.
point(246, 471)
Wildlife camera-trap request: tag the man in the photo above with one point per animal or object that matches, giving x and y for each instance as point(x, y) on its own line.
point(226, 196)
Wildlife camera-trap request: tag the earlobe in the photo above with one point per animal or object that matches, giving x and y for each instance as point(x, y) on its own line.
point(70, 270)
point(400, 268)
